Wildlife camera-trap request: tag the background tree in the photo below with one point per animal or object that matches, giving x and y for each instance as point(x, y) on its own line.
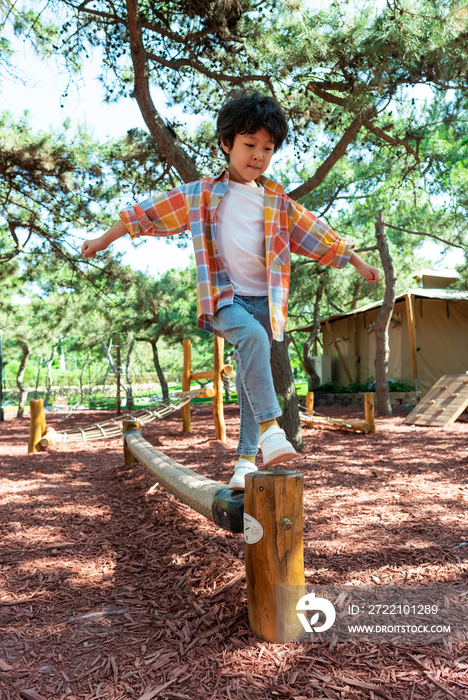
point(345, 75)
point(389, 212)
point(163, 308)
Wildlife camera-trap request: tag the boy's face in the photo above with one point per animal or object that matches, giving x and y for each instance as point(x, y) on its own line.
point(249, 156)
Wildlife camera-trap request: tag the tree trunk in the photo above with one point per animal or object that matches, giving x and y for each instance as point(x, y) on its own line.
point(313, 379)
point(107, 352)
point(286, 392)
point(19, 381)
point(383, 321)
point(112, 364)
point(49, 376)
point(166, 143)
point(128, 386)
point(85, 363)
point(161, 377)
point(37, 377)
point(356, 292)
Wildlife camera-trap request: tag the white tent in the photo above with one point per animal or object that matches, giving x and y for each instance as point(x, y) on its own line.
point(428, 337)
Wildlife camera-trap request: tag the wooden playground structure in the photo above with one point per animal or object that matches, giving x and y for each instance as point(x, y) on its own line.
point(216, 374)
point(311, 418)
point(442, 405)
point(41, 437)
point(268, 512)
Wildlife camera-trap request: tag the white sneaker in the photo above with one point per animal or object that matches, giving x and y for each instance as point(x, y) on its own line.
point(275, 448)
point(242, 467)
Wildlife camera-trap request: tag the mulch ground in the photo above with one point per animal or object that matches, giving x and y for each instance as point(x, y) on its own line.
point(110, 588)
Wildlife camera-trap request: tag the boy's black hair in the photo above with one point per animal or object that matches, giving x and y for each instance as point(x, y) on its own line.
point(247, 112)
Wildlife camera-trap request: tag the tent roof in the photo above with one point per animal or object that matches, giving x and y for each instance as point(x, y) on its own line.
point(442, 294)
point(430, 272)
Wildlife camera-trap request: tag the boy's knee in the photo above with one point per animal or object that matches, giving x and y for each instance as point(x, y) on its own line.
point(259, 336)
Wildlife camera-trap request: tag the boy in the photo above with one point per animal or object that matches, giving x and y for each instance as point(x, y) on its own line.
point(243, 228)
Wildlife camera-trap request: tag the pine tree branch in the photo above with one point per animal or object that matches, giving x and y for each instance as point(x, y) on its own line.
point(377, 131)
point(326, 96)
point(4, 257)
point(13, 225)
point(331, 201)
point(153, 26)
point(179, 63)
point(330, 85)
point(422, 233)
point(334, 306)
point(337, 153)
point(165, 141)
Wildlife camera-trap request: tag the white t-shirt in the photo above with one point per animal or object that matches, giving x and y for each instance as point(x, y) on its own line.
point(240, 237)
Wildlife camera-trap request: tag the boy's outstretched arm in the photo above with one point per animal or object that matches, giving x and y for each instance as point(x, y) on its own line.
point(371, 274)
point(90, 248)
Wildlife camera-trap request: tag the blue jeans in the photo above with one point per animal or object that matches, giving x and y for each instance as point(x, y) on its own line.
point(246, 325)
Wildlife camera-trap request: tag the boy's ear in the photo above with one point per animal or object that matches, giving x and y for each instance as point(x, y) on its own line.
point(225, 147)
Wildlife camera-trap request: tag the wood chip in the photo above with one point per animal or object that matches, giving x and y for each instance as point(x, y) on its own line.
point(31, 695)
point(446, 690)
point(91, 618)
point(152, 693)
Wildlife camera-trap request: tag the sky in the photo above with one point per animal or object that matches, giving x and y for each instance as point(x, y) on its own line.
point(45, 90)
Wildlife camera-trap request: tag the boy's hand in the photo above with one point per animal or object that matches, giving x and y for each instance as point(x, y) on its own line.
point(371, 273)
point(90, 248)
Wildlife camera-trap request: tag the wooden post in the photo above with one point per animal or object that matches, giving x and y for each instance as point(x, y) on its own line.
point(43, 422)
point(49, 436)
point(37, 426)
point(218, 410)
point(412, 339)
point(186, 375)
point(209, 374)
point(310, 401)
point(127, 426)
point(118, 400)
point(274, 558)
point(369, 410)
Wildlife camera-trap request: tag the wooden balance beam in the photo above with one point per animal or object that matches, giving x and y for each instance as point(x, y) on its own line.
point(42, 436)
point(269, 513)
point(308, 416)
point(360, 426)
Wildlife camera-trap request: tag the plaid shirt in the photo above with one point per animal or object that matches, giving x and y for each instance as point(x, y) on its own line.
point(289, 227)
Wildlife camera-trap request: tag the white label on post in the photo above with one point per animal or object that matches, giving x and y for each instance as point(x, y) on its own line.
point(253, 531)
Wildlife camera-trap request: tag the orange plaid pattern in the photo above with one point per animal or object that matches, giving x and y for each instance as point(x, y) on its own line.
point(289, 227)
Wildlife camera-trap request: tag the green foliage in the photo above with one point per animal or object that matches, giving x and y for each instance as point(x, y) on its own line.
point(354, 387)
